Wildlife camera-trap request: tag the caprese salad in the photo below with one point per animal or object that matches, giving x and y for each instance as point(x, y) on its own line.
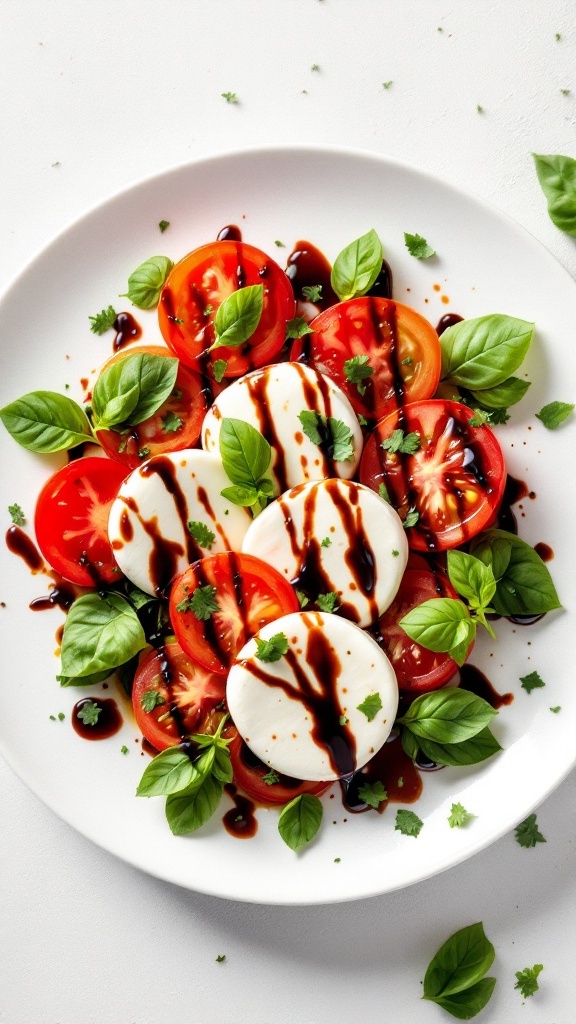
point(288, 535)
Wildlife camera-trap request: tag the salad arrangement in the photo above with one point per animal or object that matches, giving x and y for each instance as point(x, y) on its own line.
point(332, 545)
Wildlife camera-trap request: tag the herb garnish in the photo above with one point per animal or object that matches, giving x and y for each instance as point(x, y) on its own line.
point(533, 681)
point(408, 823)
point(553, 414)
point(312, 292)
point(103, 321)
point(171, 423)
point(90, 713)
point(455, 976)
point(332, 433)
point(527, 833)
point(219, 369)
point(272, 649)
point(300, 820)
point(327, 602)
point(202, 534)
point(151, 699)
point(406, 444)
point(527, 980)
point(372, 794)
point(459, 816)
point(357, 370)
point(147, 281)
point(418, 247)
point(16, 514)
point(202, 602)
point(370, 706)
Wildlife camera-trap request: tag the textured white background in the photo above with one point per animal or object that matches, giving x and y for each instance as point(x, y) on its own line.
point(94, 96)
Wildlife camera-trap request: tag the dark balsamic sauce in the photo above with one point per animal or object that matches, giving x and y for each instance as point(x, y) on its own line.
point(473, 680)
point(394, 769)
point(19, 543)
point(61, 595)
point(109, 720)
point(446, 321)
point(127, 330)
point(382, 287)
point(229, 233)
point(307, 266)
point(240, 820)
point(514, 491)
point(544, 551)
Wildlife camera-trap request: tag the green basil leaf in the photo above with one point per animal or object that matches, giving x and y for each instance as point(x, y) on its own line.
point(525, 586)
point(450, 715)
point(471, 578)
point(100, 632)
point(244, 496)
point(478, 748)
point(91, 680)
point(557, 177)
point(188, 811)
point(507, 393)
point(169, 772)
point(465, 1005)
point(460, 963)
point(44, 421)
point(238, 316)
point(410, 744)
point(483, 352)
point(147, 281)
point(357, 266)
point(467, 633)
point(437, 624)
point(222, 769)
point(245, 453)
point(553, 414)
point(300, 820)
point(132, 389)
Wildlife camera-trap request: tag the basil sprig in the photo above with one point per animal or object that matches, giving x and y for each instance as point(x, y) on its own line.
point(147, 281)
point(450, 727)
point(509, 392)
point(246, 457)
point(524, 585)
point(132, 389)
point(557, 177)
point(101, 632)
point(357, 266)
point(455, 976)
point(193, 787)
point(238, 316)
point(46, 422)
point(482, 353)
point(300, 820)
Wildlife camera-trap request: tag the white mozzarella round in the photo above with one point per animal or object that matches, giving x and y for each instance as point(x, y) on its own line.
point(322, 710)
point(270, 400)
point(148, 524)
point(334, 536)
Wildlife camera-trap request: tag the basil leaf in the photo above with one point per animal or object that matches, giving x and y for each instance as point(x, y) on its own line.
point(410, 744)
point(553, 414)
point(507, 393)
point(478, 748)
point(465, 1005)
point(300, 820)
point(357, 266)
point(245, 453)
point(91, 680)
point(188, 811)
point(460, 963)
point(244, 496)
point(132, 389)
point(557, 177)
point(238, 316)
point(437, 624)
point(100, 632)
point(222, 769)
point(523, 583)
point(483, 352)
point(147, 281)
point(471, 578)
point(169, 772)
point(44, 421)
point(447, 716)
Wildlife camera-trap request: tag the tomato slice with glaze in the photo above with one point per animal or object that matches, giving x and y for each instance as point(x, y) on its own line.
point(454, 482)
point(182, 697)
point(417, 669)
point(174, 426)
point(402, 349)
point(262, 783)
point(71, 520)
point(198, 285)
point(249, 593)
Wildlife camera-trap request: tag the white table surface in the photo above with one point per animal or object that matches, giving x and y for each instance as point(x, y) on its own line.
point(94, 96)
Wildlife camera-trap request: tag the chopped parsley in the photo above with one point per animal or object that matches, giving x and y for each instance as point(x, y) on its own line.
point(327, 602)
point(383, 492)
point(527, 980)
point(565, 92)
point(342, 720)
point(163, 225)
point(315, 67)
point(533, 681)
point(479, 109)
point(151, 699)
point(202, 534)
point(556, 709)
point(312, 292)
point(302, 599)
point(16, 515)
point(370, 706)
point(527, 833)
point(103, 321)
point(202, 603)
point(220, 958)
point(553, 414)
point(279, 243)
point(219, 369)
point(272, 649)
point(230, 97)
point(357, 370)
point(325, 543)
point(372, 794)
point(60, 717)
point(411, 519)
point(362, 419)
point(89, 713)
point(418, 247)
point(297, 327)
point(171, 423)
point(408, 361)
point(271, 778)
point(143, 453)
point(332, 433)
point(386, 85)
point(408, 823)
point(124, 749)
point(459, 816)
point(398, 441)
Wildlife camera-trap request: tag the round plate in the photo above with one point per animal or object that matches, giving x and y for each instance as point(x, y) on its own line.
point(485, 264)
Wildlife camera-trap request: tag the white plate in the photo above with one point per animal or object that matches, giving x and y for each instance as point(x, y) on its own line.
point(486, 263)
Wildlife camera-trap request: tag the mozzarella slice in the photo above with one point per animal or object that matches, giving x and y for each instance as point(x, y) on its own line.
point(300, 714)
point(270, 399)
point(334, 536)
point(148, 524)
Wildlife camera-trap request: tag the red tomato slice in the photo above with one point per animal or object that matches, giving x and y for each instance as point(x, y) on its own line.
point(417, 669)
point(174, 426)
point(250, 773)
point(402, 349)
point(71, 520)
point(455, 481)
point(249, 593)
point(198, 285)
point(188, 694)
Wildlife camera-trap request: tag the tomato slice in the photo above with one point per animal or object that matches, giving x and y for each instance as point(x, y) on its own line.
point(402, 348)
point(174, 426)
point(250, 774)
point(183, 694)
point(198, 285)
point(454, 481)
point(249, 593)
point(417, 669)
point(71, 520)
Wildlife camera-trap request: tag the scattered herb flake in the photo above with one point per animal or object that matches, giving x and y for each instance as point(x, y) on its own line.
point(533, 681)
point(362, 420)
point(220, 958)
point(327, 602)
point(336, 860)
point(89, 713)
point(406, 444)
point(219, 369)
point(103, 321)
point(459, 816)
point(408, 361)
point(151, 699)
point(326, 542)
point(565, 92)
point(143, 453)
point(408, 823)
point(315, 67)
point(202, 602)
point(527, 833)
point(201, 533)
point(357, 370)
point(312, 292)
point(383, 492)
point(527, 980)
point(280, 244)
point(372, 794)
point(272, 649)
point(334, 433)
point(553, 414)
point(479, 108)
point(411, 519)
point(557, 37)
point(271, 778)
point(418, 247)
point(16, 515)
point(343, 720)
point(302, 599)
point(297, 327)
point(556, 709)
point(386, 85)
point(171, 423)
point(370, 706)
point(163, 225)
point(124, 749)
point(230, 97)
